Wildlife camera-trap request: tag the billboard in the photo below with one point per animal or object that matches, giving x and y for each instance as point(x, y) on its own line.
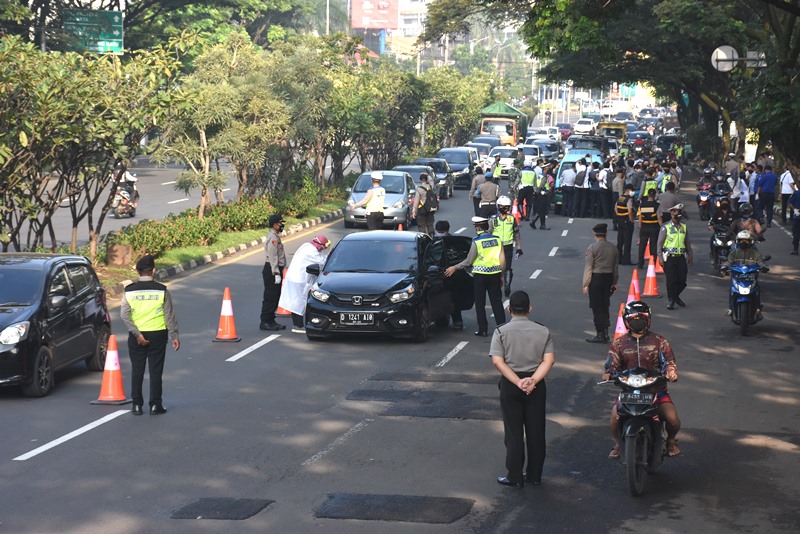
point(374, 14)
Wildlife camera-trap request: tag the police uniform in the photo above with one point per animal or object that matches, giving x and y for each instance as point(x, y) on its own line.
point(674, 248)
point(489, 193)
point(648, 228)
point(623, 213)
point(147, 311)
point(507, 230)
point(541, 189)
point(600, 275)
point(375, 208)
point(525, 194)
point(522, 344)
point(273, 268)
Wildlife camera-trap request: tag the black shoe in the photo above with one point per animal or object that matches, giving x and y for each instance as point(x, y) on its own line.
point(157, 409)
point(597, 339)
point(640, 265)
point(533, 226)
point(136, 410)
point(544, 228)
point(503, 481)
point(769, 225)
point(482, 334)
point(533, 481)
point(272, 326)
point(793, 253)
point(671, 305)
point(458, 326)
point(679, 302)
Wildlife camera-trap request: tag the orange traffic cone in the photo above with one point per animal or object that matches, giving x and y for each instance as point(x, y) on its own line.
point(400, 227)
point(651, 283)
point(647, 251)
point(631, 293)
point(284, 311)
point(227, 326)
point(111, 391)
point(636, 286)
point(659, 268)
point(515, 211)
point(620, 330)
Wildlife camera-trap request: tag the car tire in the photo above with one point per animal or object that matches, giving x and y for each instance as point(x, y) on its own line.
point(97, 361)
point(349, 224)
point(43, 375)
point(314, 337)
point(422, 324)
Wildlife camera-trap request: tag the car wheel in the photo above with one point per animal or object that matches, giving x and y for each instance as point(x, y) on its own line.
point(314, 337)
point(422, 326)
point(349, 224)
point(42, 381)
point(97, 361)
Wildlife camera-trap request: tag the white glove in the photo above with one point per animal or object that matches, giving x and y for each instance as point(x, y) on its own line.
point(277, 279)
point(797, 213)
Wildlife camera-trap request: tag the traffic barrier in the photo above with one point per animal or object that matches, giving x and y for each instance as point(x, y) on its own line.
point(284, 311)
point(651, 282)
point(620, 329)
point(227, 326)
point(111, 390)
point(637, 288)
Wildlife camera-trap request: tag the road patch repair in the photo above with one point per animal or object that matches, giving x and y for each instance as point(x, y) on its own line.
point(221, 508)
point(403, 508)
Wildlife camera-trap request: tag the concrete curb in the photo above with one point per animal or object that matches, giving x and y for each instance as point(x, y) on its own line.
point(164, 274)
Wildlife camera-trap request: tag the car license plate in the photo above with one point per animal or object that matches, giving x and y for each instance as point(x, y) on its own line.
point(636, 398)
point(357, 319)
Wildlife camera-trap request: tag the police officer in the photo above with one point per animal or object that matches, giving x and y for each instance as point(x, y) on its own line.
point(421, 211)
point(474, 190)
point(525, 194)
point(373, 200)
point(649, 224)
point(489, 193)
point(623, 212)
point(600, 275)
point(272, 273)
point(674, 255)
point(488, 263)
point(147, 311)
point(505, 227)
point(541, 193)
point(523, 352)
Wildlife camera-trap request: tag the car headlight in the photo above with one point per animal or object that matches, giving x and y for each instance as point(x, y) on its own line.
point(442, 182)
point(403, 295)
point(398, 204)
point(464, 171)
point(15, 333)
point(319, 294)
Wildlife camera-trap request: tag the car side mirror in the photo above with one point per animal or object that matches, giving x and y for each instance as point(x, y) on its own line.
point(313, 269)
point(58, 303)
point(434, 270)
point(349, 189)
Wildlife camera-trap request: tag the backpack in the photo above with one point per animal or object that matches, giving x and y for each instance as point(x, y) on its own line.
point(579, 178)
point(431, 201)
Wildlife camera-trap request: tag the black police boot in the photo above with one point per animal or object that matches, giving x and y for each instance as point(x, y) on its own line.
point(601, 337)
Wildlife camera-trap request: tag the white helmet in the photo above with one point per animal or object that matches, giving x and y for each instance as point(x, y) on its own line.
point(503, 201)
point(745, 235)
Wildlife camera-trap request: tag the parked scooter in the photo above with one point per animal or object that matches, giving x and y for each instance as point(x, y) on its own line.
point(126, 197)
point(746, 293)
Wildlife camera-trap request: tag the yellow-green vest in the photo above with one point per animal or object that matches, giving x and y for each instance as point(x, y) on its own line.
point(675, 242)
point(488, 260)
point(527, 177)
point(504, 229)
point(147, 309)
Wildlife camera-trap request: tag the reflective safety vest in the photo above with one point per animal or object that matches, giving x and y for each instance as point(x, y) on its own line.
point(647, 209)
point(621, 207)
point(675, 242)
point(527, 177)
point(147, 308)
point(488, 260)
point(504, 229)
point(375, 203)
point(667, 179)
point(647, 186)
point(542, 183)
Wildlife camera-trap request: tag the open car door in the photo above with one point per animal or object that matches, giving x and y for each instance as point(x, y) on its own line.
point(461, 285)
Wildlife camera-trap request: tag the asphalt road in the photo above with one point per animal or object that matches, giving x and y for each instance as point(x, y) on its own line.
point(375, 435)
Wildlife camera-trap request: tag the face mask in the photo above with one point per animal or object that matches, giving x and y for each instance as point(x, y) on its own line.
point(745, 217)
point(637, 325)
point(677, 217)
point(745, 245)
point(503, 210)
point(280, 228)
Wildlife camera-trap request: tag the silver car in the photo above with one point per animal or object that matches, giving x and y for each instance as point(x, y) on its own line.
point(400, 191)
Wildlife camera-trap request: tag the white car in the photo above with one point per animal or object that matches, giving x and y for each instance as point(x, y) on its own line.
point(584, 126)
point(507, 156)
point(531, 152)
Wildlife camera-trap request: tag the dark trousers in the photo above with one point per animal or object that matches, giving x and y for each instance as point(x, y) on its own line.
point(767, 200)
point(648, 233)
point(487, 210)
point(508, 274)
point(606, 203)
point(595, 203)
point(488, 284)
point(298, 321)
point(152, 356)
point(541, 205)
point(567, 200)
point(795, 233)
point(676, 270)
point(425, 222)
point(581, 202)
point(624, 240)
point(524, 428)
point(614, 198)
point(785, 206)
point(476, 204)
point(525, 202)
point(600, 299)
point(375, 220)
point(272, 292)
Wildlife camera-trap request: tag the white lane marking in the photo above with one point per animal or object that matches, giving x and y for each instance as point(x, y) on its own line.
point(168, 183)
point(73, 434)
point(338, 441)
point(536, 274)
point(564, 233)
point(553, 252)
point(176, 201)
point(248, 350)
point(569, 221)
point(460, 230)
point(452, 353)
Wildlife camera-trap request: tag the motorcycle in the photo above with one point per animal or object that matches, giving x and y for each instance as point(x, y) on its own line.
point(704, 201)
point(126, 197)
point(642, 433)
point(721, 244)
point(746, 295)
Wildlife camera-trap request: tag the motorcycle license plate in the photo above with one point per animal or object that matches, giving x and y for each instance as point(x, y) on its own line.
point(356, 319)
point(636, 398)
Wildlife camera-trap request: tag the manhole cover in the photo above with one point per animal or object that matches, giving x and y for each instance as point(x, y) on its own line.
point(405, 508)
point(221, 508)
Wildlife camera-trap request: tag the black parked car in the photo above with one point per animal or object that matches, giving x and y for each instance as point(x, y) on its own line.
point(53, 314)
point(462, 162)
point(385, 282)
point(441, 181)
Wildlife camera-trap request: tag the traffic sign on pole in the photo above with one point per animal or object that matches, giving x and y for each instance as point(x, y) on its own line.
point(94, 30)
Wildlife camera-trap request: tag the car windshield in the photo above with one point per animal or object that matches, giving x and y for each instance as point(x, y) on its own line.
point(482, 150)
point(503, 152)
point(612, 132)
point(439, 166)
point(549, 146)
point(529, 151)
point(564, 125)
point(594, 144)
point(497, 127)
point(414, 172)
point(19, 286)
point(454, 157)
point(373, 256)
point(391, 183)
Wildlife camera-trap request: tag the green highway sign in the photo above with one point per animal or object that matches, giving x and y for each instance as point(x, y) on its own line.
point(93, 30)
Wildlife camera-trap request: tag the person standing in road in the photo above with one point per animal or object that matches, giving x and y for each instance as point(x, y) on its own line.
point(474, 190)
point(617, 189)
point(675, 255)
point(567, 183)
point(443, 230)
point(541, 199)
point(505, 227)
point(623, 211)
point(649, 225)
point(513, 178)
point(666, 199)
point(424, 209)
point(147, 311)
point(298, 282)
point(765, 193)
point(489, 193)
point(272, 273)
point(787, 188)
point(600, 274)
point(488, 263)
point(794, 206)
point(374, 200)
point(525, 196)
point(523, 352)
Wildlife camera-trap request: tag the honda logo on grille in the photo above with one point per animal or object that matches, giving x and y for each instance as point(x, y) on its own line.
point(357, 300)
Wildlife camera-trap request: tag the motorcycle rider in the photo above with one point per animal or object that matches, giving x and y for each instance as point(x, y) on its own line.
point(643, 348)
point(744, 254)
point(746, 221)
point(505, 227)
point(723, 216)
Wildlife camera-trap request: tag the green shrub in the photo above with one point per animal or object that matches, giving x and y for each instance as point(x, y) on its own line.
point(301, 201)
point(246, 214)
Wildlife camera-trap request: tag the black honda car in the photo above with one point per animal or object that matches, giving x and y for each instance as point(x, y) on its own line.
point(385, 282)
point(53, 314)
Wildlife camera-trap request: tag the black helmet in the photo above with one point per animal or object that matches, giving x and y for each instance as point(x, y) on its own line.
point(633, 309)
point(746, 209)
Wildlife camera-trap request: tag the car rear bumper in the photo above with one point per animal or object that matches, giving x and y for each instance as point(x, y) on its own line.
point(391, 217)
